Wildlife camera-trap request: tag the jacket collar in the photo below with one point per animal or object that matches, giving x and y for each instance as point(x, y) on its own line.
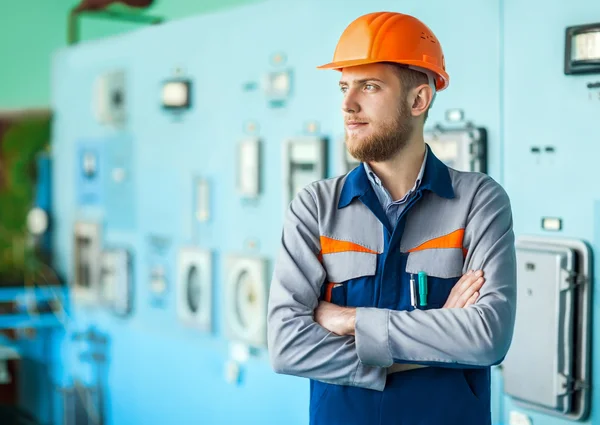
point(436, 179)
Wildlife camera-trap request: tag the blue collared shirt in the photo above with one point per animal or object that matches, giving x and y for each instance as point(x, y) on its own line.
point(392, 208)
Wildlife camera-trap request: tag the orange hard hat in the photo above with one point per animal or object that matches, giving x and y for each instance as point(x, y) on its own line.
point(391, 37)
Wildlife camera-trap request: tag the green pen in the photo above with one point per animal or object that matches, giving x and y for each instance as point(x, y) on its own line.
point(422, 288)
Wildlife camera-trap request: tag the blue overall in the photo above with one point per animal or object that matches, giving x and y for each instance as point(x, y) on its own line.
point(434, 395)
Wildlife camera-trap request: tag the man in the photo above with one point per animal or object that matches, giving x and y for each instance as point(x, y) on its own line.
point(371, 297)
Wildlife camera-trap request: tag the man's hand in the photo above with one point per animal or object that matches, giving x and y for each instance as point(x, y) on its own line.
point(466, 291)
point(336, 319)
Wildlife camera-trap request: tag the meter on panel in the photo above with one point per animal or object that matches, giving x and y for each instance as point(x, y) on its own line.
point(176, 94)
point(304, 161)
point(246, 292)
point(277, 87)
point(464, 149)
point(582, 49)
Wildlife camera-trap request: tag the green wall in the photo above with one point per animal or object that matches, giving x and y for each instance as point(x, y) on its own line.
point(30, 31)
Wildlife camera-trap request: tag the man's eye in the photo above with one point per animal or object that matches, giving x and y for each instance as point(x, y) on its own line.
point(343, 89)
point(369, 87)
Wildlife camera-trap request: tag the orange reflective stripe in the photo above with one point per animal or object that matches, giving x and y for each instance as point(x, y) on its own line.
point(451, 240)
point(330, 246)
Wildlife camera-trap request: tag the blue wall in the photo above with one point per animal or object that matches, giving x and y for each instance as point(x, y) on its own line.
point(505, 64)
point(543, 107)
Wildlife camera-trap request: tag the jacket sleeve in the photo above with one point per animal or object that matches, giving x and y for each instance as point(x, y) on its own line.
point(297, 344)
point(476, 336)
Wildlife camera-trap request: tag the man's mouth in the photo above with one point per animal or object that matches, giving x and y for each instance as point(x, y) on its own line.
point(352, 125)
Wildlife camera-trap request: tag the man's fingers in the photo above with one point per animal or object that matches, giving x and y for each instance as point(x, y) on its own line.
point(472, 300)
point(470, 278)
point(464, 277)
point(464, 289)
point(468, 293)
point(464, 282)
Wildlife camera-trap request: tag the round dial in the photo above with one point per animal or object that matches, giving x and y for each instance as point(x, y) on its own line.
point(193, 289)
point(246, 305)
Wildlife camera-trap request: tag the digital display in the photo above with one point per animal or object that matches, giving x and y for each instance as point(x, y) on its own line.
point(582, 49)
point(586, 46)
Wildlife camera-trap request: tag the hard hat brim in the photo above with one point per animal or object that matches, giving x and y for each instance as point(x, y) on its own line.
point(344, 64)
point(441, 82)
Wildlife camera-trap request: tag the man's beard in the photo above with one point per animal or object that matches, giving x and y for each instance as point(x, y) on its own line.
point(387, 142)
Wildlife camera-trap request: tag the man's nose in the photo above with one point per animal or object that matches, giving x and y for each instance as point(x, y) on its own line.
point(350, 104)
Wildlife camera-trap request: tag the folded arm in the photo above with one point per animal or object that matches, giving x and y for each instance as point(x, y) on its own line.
point(297, 344)
point(477, 336)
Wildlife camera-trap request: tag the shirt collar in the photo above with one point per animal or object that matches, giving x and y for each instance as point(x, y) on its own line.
point(433, 176)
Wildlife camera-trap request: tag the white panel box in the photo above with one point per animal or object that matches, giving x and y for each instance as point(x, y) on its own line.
point(548, 365)
point(116, 281)
point(304, 161)
point(202, 199)
point(110, 98)
point(194, 288)
point(248, 169)
point(246, 294)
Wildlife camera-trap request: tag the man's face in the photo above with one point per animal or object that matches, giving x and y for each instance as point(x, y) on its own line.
point(377, 116)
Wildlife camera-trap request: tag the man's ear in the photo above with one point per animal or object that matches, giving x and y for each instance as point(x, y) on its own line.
point(422, 99)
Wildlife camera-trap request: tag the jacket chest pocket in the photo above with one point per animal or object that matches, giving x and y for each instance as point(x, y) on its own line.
point(350, 278)
point(443, 268)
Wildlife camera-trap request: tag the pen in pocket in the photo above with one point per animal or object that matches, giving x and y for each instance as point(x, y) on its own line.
point(413, 291)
